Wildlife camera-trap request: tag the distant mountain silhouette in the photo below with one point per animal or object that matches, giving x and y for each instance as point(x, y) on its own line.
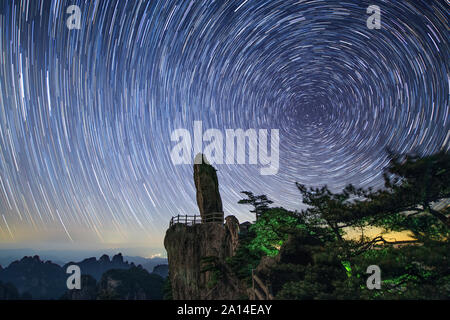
point(61, 257)
point(161, 270)
point(47, 280)
point(134, 283)
point(43, 280)
point(147, 263)
point(96, 268)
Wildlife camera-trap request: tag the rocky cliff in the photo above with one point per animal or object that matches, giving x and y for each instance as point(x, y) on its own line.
point(197, 260)
point(197, 253)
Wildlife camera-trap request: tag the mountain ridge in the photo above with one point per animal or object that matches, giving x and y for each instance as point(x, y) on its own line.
point(44, 279)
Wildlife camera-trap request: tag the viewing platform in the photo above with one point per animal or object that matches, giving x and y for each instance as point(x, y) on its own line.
point(214, 217)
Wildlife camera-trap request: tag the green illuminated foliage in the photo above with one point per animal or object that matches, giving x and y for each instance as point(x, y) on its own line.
point(272, 230)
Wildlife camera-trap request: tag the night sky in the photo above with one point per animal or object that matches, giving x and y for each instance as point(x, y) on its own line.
point(86, 115)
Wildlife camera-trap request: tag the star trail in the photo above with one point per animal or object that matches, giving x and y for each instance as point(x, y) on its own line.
point(86, 114)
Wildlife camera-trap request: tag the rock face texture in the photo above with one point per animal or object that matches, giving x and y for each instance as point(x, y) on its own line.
point(197, 260)
point(232, 223)
point(207, 186)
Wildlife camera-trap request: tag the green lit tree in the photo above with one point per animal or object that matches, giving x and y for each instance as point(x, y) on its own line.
point(272, 230)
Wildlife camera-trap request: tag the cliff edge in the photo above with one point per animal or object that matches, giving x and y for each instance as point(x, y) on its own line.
point(197, 260)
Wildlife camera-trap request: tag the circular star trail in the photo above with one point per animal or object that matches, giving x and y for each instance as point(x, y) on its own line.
point(86, 115)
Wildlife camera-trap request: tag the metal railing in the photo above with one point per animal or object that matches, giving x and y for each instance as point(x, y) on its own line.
point(215, 217)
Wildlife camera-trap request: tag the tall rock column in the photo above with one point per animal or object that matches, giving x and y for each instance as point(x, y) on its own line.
point(207, 186)
point(198, 253)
